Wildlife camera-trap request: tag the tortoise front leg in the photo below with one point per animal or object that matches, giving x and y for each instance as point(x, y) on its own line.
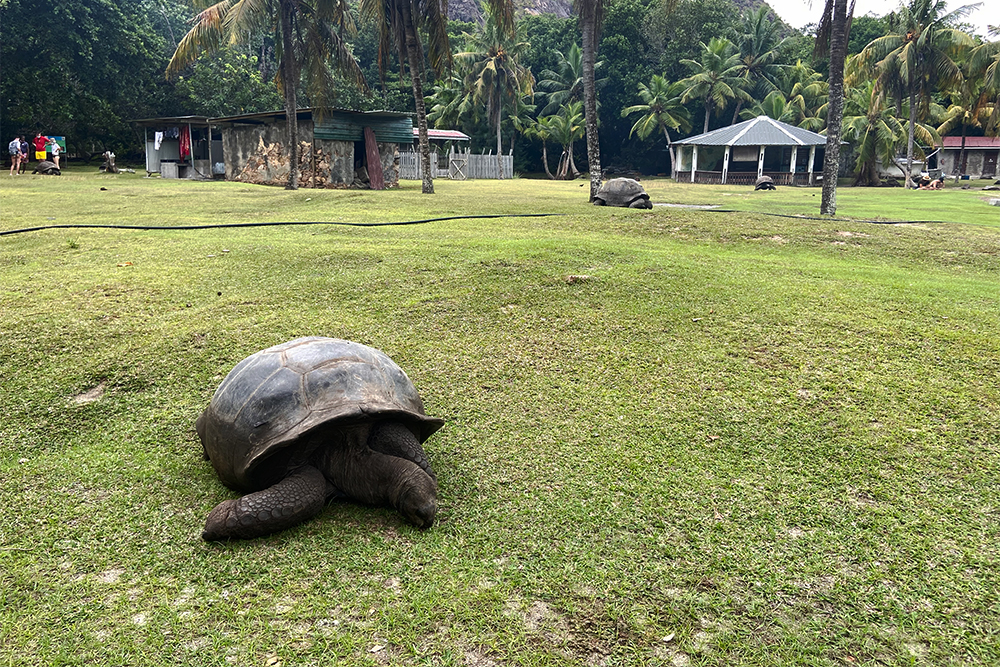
point(289, 502)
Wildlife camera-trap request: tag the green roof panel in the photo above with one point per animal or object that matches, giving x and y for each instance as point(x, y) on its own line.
point(340, 126)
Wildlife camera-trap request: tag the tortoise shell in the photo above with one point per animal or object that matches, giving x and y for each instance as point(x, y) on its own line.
point(258, 422)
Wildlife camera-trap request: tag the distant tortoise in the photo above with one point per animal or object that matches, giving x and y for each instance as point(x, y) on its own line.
point(764, 183)
point(313, 419)
point(47, 168)
point(625, 192)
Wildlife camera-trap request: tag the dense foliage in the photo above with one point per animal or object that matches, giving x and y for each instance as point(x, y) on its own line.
point(84, 68)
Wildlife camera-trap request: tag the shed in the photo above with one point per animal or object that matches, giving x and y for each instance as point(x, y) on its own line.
point(981, 156)
point(341, 147)
point(182, 147)
point(742, 153)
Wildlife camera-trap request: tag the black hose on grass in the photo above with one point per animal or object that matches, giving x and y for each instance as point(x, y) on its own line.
point(420, 222)
point(278, 224)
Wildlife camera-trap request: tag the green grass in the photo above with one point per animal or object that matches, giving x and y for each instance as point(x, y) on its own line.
point(673, 437)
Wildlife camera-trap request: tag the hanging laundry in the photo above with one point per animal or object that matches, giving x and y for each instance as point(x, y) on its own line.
point(171, 133)
point(157, 140)
point(185, 142)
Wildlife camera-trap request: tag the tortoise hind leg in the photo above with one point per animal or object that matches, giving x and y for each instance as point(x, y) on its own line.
point(394, 439)
point(289, 502)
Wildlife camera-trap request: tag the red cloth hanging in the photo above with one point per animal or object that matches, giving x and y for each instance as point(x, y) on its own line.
point(185, 142)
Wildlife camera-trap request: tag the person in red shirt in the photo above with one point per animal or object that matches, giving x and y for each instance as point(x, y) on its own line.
point(40, 144)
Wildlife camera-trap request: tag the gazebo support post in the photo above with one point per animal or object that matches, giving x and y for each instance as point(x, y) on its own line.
point(725, 166)
point(791, 167)
point(694, 162)
point(812, 159)
point(760, 163)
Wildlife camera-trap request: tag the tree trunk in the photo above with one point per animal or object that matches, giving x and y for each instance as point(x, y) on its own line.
point(416, 77)
point(961, 158)
point(670, 150)
point(835, 108)
point(589, 28)
point(545, 161)
point(290, 76)
point(736, 114)
point(708, 112)
point(499, 146)
point(909, 141)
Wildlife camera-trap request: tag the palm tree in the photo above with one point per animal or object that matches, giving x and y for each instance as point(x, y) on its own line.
point(716, 79)
point(759, 45)
point(565, 84)
point(495, 77)
point(566, 128)
point(540, 129)
point(807, 93)
point(313, 33)
point(662, 110)
point(773, 106)
point(400, 24)
point(875, 131)
point(972, 101)
point(591, 15)
point(918, 58)
point(831, 39)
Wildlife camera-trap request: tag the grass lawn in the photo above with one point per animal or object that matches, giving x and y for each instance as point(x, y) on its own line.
point(674, 437)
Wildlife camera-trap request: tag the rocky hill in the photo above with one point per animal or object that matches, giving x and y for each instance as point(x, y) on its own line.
point(469, 10)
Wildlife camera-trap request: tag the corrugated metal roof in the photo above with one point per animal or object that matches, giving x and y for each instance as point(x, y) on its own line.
point(759, 131)
point(453, 135)
point(971, 142)
point(345, 126)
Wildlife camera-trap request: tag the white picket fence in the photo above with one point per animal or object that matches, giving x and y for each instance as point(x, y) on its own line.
point(456, 165)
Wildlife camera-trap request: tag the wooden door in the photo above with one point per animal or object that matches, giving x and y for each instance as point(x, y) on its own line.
point(990, 164)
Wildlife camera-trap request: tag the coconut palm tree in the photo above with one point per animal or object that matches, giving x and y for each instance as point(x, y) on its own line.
point(312, 36)
point(566, 128)
point(759, 48)
point(565, 83)
point(400, 24)
point(875, 131)
point(831, 39)
point(973, 102)
point(716, 79)
point(773, 106)
point(807, 93)
point(662, 111)
point(919, 58)
point(495, 77)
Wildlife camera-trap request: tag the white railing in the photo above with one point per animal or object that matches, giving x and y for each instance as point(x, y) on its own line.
point(457, 165)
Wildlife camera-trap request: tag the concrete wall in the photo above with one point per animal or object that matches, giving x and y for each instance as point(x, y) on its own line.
point(974, 161)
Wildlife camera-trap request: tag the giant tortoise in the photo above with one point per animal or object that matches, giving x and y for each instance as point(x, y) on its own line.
point(47, 168)
point(313, 419)
point(624, 192)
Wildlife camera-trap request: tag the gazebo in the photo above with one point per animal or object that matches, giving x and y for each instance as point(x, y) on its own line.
point(742, 153)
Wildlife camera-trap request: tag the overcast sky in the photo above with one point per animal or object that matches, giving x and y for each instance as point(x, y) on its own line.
point(798, 13)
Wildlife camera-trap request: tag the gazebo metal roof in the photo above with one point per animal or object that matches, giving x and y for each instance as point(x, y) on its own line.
point(759, 131)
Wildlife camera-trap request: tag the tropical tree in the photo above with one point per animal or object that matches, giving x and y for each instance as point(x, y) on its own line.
point(973, 102)
point(716, 79)
point(831, 39)
point(566, 128)
point(759, 45)
point(662, 110)
point(565, 83)
point(591, 15)
point(449, 103)
point(312, 35)
point(875, 132)
point(495, 77)
point(807, 93)
point(773, 106)
point(918, 59)
point(540, 129)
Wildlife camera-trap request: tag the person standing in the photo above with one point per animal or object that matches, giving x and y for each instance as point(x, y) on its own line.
point(24, 154)
point(55, 149)
point(14, 148)
point(40, 142)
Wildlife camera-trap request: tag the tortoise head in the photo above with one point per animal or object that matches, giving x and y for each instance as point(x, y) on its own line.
point(417, 498)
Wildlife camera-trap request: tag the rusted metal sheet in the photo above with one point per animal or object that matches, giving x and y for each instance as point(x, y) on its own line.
point(373, 161)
